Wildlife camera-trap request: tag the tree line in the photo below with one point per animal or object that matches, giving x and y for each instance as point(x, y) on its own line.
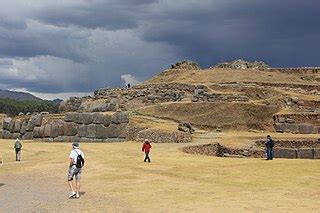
point(14, 107)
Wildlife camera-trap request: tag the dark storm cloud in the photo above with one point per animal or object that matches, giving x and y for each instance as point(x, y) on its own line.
point(79, 45)
point(112, 14)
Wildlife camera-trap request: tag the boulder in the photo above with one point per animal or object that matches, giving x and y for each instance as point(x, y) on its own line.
point(38, 120)
point(16, 135)
point(36, 132)
point(11, 126)
point(91, 131)
point(279, 127)
point(6, 123)
point(70, 117)
point(6, 134)
point(305, 153)
point(120, 117)
point(281, 119)
point(285, 153)
point(61, 129)
point(293, 128)
point(54, 130)
point(185, 127)
point(70, 128)
point(122, 130)
point(306, 128)
point(113, 131)
point(316, 153)
point(62, 139)
point(82, 130)
point(47, 130)
point(17, 125)
point(48, 140)
point(74, 139)
point(98, 118)
point(101, 131)
point(27, 136)
point(86, 118)
point(106, 120)
point(31, 123)
point(24, 127)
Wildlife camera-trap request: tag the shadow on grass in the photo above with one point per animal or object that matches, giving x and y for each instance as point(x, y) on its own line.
point(82, 193)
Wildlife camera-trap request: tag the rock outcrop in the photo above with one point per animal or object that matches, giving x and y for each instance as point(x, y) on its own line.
point(242, 64)
point(186, 64)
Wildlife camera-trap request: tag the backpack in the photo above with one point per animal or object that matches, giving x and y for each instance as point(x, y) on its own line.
point(271, 143)
point(80, 161)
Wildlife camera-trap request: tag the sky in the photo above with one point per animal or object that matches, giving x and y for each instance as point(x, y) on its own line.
point(72, 47)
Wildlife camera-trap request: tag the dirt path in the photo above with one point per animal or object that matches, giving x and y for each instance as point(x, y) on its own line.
point(43, 192)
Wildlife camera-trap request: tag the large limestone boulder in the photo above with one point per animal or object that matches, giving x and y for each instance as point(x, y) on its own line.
point(285, 153)
point(6, 123)
point(120, 117)
point(86, 118)
point(16, 135)
point(27, 136)
point(6, 134)
point(306, 128)
point(305, 153)
point(91, 131)
point(47, 130)
point(82, 130)
point(101, 131)
point(11, 126)
point(38, 120)
point(106, 120)
point(17, 125)
point(24, 127)
point(54, 130)
point(316, 153)
point(113, 131)
point(70, 128)
point(70, 117)
point(98, 118)
point(38, 132)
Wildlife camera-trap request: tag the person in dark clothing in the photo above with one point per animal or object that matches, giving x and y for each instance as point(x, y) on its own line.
point(146, 149)
point(269, 146)
point(129, 86)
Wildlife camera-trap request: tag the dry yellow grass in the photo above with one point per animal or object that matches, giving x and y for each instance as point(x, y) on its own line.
point(226, 75)
point(116, 180)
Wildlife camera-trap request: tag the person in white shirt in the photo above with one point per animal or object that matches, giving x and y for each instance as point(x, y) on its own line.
point(76, 163)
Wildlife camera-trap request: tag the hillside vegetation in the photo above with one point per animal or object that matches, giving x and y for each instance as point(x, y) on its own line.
point(13, 107)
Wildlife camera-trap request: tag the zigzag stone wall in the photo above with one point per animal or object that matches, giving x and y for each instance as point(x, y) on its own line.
point(89, 127)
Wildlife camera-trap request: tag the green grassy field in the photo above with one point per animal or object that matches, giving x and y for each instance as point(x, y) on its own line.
point(173, 182)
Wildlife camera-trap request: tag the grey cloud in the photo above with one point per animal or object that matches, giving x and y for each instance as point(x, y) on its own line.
point(79, 45)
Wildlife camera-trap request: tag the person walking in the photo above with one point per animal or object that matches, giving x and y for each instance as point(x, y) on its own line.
point(269, 146)
point(17, 148)
point(75, 168)
point(146, 147)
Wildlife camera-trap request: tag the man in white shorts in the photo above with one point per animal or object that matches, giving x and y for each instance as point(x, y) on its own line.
point(75, 167)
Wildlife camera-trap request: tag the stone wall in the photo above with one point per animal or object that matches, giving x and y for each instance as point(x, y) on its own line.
point(20, 128)
point(201, 94)
point(298, 70)
point(297, 123)
point(157, 136)
point(291, 149)
point(113, 99)
point(95, 127)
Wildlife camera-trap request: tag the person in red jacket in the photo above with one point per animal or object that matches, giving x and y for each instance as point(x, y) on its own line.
point(146, 149)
